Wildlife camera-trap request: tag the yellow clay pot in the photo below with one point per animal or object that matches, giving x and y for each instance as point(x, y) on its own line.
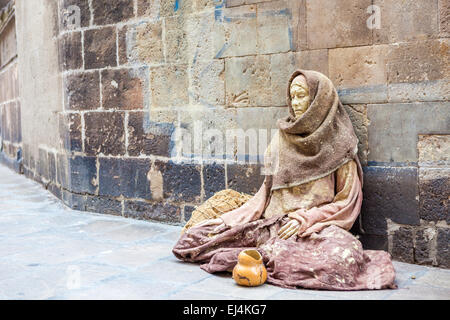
point(250, 270)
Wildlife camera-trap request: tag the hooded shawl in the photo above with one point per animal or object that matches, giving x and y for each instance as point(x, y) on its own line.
point(317, 143)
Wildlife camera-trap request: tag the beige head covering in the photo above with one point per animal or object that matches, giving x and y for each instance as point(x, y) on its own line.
point(318, 142)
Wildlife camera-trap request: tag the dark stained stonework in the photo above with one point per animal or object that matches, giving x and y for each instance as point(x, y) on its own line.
point(443, 252)
point(123, 55)
point(422, 248)
point(213, 178)
point(82, 91)
point(402, 245)
point(374, 242)
point(244, 177)
point(70, 50)
point(181, 181)
point(83, 174)
point(112, 11)
point(124, 177)
point(154, 140)
point(434, 192)
point(100, 48)
point(158, 211)
point(390, 192)
point(188, 212)
point(70, 131)
point(122, 89)
point(65, 13)
point(104, 133)
point(102, 205)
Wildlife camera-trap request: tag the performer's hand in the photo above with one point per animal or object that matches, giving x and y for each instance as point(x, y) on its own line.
point(289, 229)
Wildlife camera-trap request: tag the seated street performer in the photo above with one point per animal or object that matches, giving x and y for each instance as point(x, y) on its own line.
point(300, 218)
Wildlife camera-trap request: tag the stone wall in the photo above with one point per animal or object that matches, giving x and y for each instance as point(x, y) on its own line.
point(136, 73)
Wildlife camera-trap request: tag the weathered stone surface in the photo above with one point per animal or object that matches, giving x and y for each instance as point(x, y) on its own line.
point(435, 90)
point(148, 138)
point(67, 13)
point(233, 28)
point(389, 192)
point(443, 252)
point(103, 205)
point(201, 37)
point(82, 174)
point(358, 116)
point(8, 48)
point(181, 181)
point(104, 133)
point(213, 178)
point(444, 17)
point(123, 89)
point(168, 86)
point(62, 169)
point(51, 158)
point(124, 177)
point(208, 85)
point(123, 45)
point(358, 66)
point(100, 48)
point(42, 165)
point(332, 24)
point(82, 91)
point(434, 194)
point(70, 131)
point(277, 25)
point(176, 39)
point(245, 178)
point(402, 245)
point(163, 212)
point(9, 88)
point(112, 11)
point(73, 200)
point(419, 61)
point(148, 44)
point(313, 60)
point(393, 128)
point(434, 149)
point(423, 244)
point(71, 51)
point(406, 20)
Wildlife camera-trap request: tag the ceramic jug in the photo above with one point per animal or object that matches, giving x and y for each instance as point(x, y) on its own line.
point(250, 270)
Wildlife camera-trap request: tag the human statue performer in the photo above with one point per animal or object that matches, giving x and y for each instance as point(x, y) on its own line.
point(299, 219)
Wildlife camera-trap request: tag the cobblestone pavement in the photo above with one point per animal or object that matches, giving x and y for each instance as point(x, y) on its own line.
point(48, 251)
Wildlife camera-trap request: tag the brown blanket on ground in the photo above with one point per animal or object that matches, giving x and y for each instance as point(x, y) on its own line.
point(332, 259)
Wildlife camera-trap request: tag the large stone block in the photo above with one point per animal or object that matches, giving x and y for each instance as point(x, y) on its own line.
point(213, 178)
point(124, 177)
point(244, 177)
point(112, 11)
point(123, 89)
point(82, 91)
point(207, 82)
point(236, 31)
point(374, 242)
point(42, 165)
point(146, 137)
point(163, 212)
point(332, 24)
point(71, 51)
point(403, 245)
point(8, 48)
point(68, 10)
point(102, 205)
point(169, 86)
point(389, 192)
point(144, 42)
point(201, 37)
point(181, 181)
point(394, 128)
point(104, 133)
point(277, 25)
point(406, 20)
point(419, 61)
point(443, 252)
point(423, 245)
point(100, 48)
point(434, 90)
point(434, 194)
point(82, 176)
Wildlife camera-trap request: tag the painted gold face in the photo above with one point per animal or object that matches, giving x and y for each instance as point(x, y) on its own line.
point(299, 95)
